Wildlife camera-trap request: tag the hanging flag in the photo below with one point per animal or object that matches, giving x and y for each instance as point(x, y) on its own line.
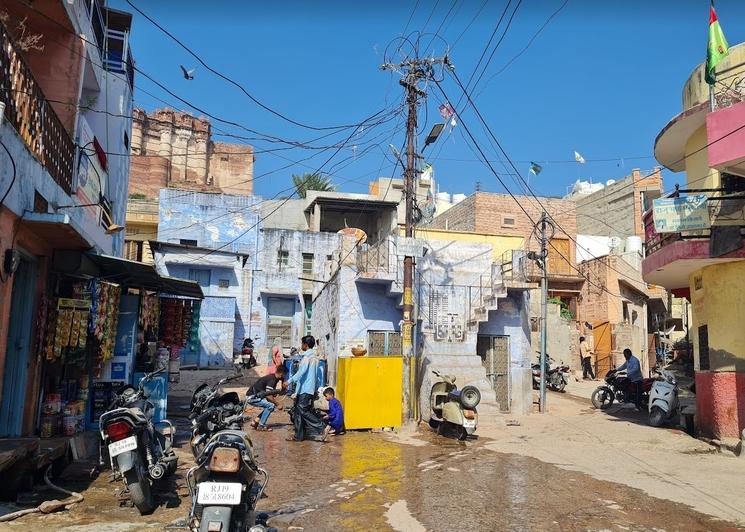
point(579, 158)
point(427, 173)
point(535, 168)
point(718, 48)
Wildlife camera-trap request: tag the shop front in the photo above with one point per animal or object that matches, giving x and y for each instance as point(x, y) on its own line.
point(104, 323)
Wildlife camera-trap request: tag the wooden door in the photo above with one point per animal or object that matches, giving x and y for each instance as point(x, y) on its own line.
point(559, 256)
point(601, 335)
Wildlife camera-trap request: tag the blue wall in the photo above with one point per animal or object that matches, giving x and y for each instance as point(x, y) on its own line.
point(212, 220)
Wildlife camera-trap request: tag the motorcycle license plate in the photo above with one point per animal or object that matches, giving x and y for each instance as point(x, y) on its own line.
point(122, 446)
point(219, 493)
point(469, 422)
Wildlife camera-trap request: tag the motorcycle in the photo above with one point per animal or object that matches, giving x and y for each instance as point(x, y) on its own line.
point(139, 452)
point(453, 408)
point(557, 377)
point(224, 484)
point(663, 399)
point(246, 358)
point(615, 389)
point(212, 410)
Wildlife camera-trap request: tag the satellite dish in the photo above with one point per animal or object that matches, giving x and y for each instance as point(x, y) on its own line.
point(614, 243)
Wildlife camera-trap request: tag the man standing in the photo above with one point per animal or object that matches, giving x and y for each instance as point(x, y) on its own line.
point(306, 422)
point(634, 374)
point(586, 357)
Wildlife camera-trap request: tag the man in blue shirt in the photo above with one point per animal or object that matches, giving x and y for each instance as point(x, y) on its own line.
point(634, 374)
point(304, 380)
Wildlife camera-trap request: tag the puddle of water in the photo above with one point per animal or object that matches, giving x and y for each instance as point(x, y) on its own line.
point(400, 519)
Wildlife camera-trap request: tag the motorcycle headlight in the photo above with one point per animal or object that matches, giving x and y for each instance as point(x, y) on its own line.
point(258, 528)
point(225, 460)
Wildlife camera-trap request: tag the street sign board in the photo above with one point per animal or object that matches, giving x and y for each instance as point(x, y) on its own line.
point(688, 213)
point(409, 247)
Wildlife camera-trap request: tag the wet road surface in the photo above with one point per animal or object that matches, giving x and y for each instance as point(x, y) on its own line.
point(378, 481)
point(366, 481)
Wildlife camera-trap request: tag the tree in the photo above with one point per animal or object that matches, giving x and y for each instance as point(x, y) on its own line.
point(312, 181)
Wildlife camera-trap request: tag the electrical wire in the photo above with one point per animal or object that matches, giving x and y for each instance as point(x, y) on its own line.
point(504, 153)
point(525, 49)
point(230, 80)
point(13, 179)
point(468, 26)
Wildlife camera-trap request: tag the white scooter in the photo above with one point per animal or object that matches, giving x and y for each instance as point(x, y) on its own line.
point(663, 399)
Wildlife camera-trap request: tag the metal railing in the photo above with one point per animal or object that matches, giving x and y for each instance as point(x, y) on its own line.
point(376, 258)
point(32, 115)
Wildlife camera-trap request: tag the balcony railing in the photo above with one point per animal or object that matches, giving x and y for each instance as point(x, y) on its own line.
point(33, 117)
point(376, 258)
point(655, 241)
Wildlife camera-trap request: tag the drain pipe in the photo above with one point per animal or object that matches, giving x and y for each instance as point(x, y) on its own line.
point(47, 506)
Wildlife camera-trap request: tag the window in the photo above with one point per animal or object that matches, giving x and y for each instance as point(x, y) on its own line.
point(223, 283)
point(308, 302)
point(187, 242)
point(308, 263)
point(126, 140)
point(626, 312)
point(283, 257)
point(200, 276)
point(508, 220)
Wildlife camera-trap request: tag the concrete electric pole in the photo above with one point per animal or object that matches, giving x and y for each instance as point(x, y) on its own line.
point(542, 260)
point(414, 71)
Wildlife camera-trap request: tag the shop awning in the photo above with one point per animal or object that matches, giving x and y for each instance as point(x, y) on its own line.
point(128, 273)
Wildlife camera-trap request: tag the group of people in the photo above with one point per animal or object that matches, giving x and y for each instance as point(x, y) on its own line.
point(632, 366)
point(303, 386)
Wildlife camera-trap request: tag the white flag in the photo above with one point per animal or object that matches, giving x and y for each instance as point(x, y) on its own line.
point(579, 158)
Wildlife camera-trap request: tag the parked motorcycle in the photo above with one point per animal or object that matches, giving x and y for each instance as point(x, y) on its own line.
point(224, 484)
point(139, 452)
point(663, 399)
point(557, 377)
point(246, 358)
point(213, 410)
point(615, 388)
point(453, 408)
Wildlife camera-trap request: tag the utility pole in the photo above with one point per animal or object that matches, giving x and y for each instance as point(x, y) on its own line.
point(414, 71)
point(544, 311)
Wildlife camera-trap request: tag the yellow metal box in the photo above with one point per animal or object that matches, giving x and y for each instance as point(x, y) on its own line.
point(370, 391)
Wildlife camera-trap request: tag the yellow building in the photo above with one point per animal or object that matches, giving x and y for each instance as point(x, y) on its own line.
point(500, 244)
point(141, 227)
point(706, 263)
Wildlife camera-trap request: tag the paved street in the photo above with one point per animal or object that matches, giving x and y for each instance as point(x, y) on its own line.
point(573, 470)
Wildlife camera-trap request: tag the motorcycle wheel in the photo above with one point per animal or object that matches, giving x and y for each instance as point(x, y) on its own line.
point(139, 490)
point(433, 423)
point(462, 433)
point(656, 416)
point(602, 397)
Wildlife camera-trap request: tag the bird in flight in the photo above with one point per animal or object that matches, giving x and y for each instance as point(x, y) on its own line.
point(188, 74)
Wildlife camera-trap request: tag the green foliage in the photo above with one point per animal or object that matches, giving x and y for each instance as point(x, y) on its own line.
point(563, 306)
point(312, 181)
point(137, 195)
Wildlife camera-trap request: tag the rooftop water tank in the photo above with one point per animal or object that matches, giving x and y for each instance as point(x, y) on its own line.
point(444, 196)
point(634, 243)
point(457, 198)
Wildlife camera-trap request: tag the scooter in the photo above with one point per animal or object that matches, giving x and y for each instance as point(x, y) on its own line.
point(663, 399)
point(138, 452)
point(453, 408)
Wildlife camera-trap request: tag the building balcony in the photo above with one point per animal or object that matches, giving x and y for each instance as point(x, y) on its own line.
point(672, 257)
point(727, 137)
point(32, 116)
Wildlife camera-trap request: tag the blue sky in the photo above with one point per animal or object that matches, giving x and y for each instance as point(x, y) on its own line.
point(603, 78)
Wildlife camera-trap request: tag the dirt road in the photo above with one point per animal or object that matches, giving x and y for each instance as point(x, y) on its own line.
point(572, 469)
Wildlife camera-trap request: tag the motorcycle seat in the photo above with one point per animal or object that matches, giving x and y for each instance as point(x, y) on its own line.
point(455, 394)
